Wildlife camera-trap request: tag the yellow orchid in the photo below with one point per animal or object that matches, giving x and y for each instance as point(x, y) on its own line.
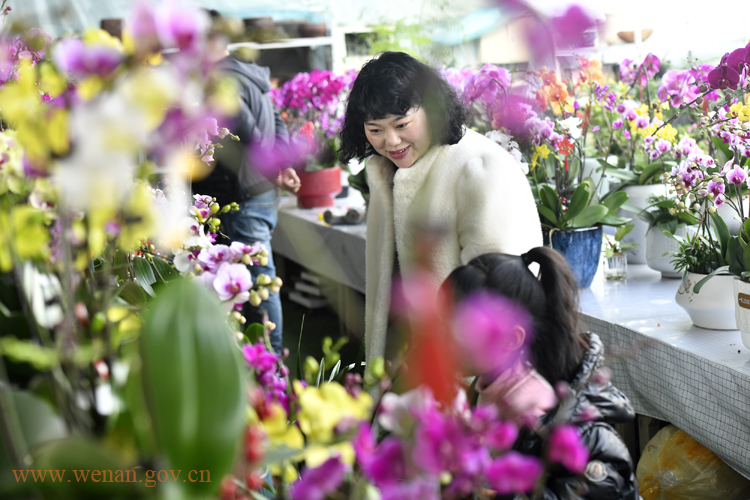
point(20, 99)
point(322, 408)
point(565, 105)
point(100, 37)
point(50, 80)
point(540, 152)
point(139, 212)
point(667, 132)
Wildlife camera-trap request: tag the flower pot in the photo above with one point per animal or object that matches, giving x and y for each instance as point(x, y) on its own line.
point(657, 244)
point(581, 249)
point(638, 196)
point(742, 309)
point(713, 307)
point(319, 188)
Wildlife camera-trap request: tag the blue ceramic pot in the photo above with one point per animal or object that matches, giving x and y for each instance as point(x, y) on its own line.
point(582, 248)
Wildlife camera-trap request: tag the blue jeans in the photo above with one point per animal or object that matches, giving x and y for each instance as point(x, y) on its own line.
point(254, 222)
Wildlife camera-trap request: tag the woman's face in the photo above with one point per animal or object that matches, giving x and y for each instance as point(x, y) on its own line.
point(401, 139)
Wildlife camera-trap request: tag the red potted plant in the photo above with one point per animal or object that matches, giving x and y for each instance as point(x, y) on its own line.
point(312, 107)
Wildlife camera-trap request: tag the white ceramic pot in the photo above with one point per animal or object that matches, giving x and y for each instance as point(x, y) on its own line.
point(638, 196)
point(742, 309)
point(589, 170)
point(657, 244)
point(728, 214)
point(713, 307)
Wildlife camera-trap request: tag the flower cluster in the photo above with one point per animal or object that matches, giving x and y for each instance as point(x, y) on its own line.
point(221, 268)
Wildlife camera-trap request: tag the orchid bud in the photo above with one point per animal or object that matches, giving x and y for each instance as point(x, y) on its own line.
point(239, 335)
point(679, 178)
point(243, 320)
point(715, 178)
point(284, 354)
point(151, 248)
point(681, 205)
point(213, 221)
point(711, 196)
point(277, 282)
point(263, 280)
point(226, 208)
point(198, 268)
point(263, 261)
point(671, 191)
point(215, 207)
point(254, 298)
point(246, 260)
point(671, 211)
point(263, 293)
point(190, 275)
point(711, 210)
point(274, 289)
point(696, 207)
point(270, 326)
point(236, 315)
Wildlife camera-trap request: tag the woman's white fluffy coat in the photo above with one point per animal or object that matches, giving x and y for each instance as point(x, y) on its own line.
point(474, 191)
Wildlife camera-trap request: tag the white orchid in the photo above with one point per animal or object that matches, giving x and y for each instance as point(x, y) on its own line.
point(572, 126)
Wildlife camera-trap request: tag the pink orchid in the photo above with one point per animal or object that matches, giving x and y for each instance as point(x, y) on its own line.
point(514, 473)
point(232, 282)
point(566, 447)
point(316, 483)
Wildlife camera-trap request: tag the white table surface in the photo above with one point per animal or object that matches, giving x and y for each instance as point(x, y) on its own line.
point(697, 379)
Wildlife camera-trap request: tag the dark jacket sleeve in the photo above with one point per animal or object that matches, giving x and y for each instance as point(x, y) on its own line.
point(281, 132)
point(245, 121)
point(605, 446)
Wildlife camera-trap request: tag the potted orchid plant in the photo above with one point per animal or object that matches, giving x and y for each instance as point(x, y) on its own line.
point(312, 106)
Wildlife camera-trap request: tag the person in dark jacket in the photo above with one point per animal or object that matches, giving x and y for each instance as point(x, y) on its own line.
point(234, 180)
point(559, 353)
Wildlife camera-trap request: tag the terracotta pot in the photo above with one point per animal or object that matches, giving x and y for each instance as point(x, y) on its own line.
point(319, 188)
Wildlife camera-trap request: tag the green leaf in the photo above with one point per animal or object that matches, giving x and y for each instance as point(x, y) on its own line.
point(547, 214)
point(578, 202)
point(615, 220)
point(622, 174)
point(321, 372)
point(747, 229)
point(623, 231)
point(746, 255)
point(131, 293)
point(192, 377)
point(650, 173)
point(549, 198)
point(615, 201)
point(254, 332)
point(688, 219)
point(722, 231)
point(144, 275)
point(735, 256)
point(699, 285)
point(589, 217)
point(299, 350)
point(164, 270)
point(633, 209)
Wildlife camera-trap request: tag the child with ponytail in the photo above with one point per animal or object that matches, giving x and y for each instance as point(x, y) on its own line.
point(554, 352)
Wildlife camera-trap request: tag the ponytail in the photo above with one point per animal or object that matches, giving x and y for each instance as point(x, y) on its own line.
point(559, 347)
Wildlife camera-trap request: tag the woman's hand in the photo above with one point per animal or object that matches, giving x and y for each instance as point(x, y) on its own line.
point(288, 180)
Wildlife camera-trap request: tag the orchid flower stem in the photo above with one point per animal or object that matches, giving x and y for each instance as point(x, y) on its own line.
point(687, 106)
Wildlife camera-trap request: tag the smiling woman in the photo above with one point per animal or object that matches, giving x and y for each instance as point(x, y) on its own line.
point(426, 170)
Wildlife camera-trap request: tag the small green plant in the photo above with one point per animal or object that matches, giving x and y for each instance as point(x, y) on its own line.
point(615, 244)
point(665, 215)
point(584, 209)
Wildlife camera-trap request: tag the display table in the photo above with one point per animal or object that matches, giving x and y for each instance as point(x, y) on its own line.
point(697, 379)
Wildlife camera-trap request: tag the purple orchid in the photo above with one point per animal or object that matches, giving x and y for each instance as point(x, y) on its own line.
point(715, 188)
point(80, 60)
point(457, 78)
point(739, 59)
point(485, 325)
point(268, 160)
point(566, 447)
point(180, 26)
point(514, 473)
point(617, 124)
point(36, 43)
point(645, 71)
point(663, 145)
point(419, 488)
point(642, 122)
point(316, 483)
point(572, 26)
point(233, 282)
point(719, 201)
point(212, 258)
point(723, 76)
point(488, 85)
point(736, 175)
point(388, 464)
point(626, 134)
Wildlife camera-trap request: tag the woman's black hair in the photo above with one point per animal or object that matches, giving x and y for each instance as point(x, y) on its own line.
point(551, 300)
point(392, 84)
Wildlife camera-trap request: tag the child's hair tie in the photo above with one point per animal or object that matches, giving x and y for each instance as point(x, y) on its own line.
point(526, 259)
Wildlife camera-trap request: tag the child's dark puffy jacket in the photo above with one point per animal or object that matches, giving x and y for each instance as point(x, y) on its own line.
point(610, 474)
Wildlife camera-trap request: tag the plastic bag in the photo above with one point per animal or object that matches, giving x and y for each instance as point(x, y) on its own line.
point(674, 466)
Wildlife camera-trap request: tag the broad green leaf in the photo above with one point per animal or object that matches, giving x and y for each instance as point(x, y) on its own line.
point(144, 275)
point(131, 293)
point(722, 231)
point(719, 144)
point(86, 455)
point(633, 209)
point(589, 217)
point(254, 332)
point(623, 231)
point(650, 173)
point(614, 202)
point(615, 220)
point(578, 202)
point(164, 271)
point(547, 214)
point(746, 255)
point(687, 218)
point(549, 198)
point(747, 229)
point(735, 256)
point(192, 377)
point(25, 351)
point(622, 174)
